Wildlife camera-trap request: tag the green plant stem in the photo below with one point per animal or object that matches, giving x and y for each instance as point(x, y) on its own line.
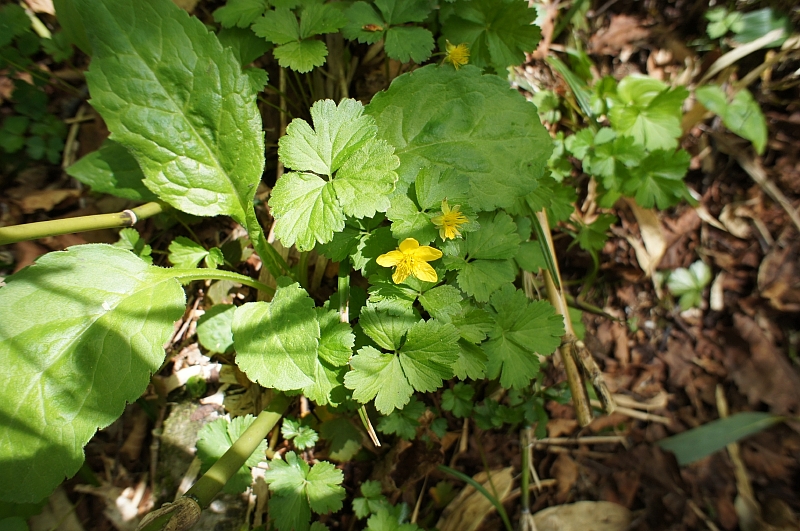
point(209, 485)
point(302, 270)
point(270, 257)
point(524, 443)
point(184, 276)
point(56, 227)
point(477, 486)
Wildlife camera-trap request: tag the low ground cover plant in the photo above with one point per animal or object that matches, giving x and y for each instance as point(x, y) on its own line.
point(438, 193)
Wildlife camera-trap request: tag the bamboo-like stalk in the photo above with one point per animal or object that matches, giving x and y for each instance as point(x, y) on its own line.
point(186, 511)
point(57, 227)
point(580, 397)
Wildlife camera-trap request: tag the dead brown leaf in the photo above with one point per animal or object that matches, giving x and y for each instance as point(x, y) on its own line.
point(561, 427)
point(584, 516)
point(41, 6)
point(565, 472)
point(761, 371)
point(621, 32)
point(779, 273)
point(45, 200)
point(468, 510)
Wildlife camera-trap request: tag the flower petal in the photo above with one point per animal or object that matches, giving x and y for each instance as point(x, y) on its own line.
point(408, 245)
point(426, 253)
point(424, 271)
point(402, 272)
point(390, 259)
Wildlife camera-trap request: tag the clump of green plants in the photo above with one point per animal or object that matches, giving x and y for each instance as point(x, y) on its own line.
point(437, 193)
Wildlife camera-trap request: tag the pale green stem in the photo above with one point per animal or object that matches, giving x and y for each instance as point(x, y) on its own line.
point(56, 227)
point(184, 276)
point(209, 485)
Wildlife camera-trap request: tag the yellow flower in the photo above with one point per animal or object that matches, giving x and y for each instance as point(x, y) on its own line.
point(457, 55)
point(411, 258)
point(449, 221)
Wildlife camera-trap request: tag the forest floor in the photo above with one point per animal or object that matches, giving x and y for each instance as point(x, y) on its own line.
point(670, 370)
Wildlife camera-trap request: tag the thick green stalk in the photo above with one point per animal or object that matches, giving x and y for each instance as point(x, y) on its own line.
point(208, 486)
point(56, 227)
point(186, 510)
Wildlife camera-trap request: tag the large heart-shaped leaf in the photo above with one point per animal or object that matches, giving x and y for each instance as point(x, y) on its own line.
point(82, 330)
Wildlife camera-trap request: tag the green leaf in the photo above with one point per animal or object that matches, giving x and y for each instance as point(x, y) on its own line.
point(216, 437)
point(690, 283)
point(403, 422)
point(343, 147)
point(430, 350)
point(318, 19)
point(306, 210)
point(481, 278)
point(102, 317)
point(239, 13)
point(179, 101)
point(343, 437)
point(756, 24)
point(130, 239)
point(406, 43)
point(290, 345)
point(498, 33)
point(298, 489)
point(742, 115)
point(409, 222)
point(372, 499)
point(112, 170)
point(649, 111)
point(279, 26)
point(186, 254)
point(522, 330)
point(339, 131)
point(463, 126)
point(58, 47)
point(403, 43)
point(246, 46)
point(497, 238)
point(458, 399)
point(700, 442)
point(658, 179)
point(276, 342)
point(302, 436)
point(13, 22)
point(593, 237)
point(442, 302)
point(336, 338)
point(361, 15)
point(386, 330)
point(386, 520)
point(301, 56)
point(214, 328)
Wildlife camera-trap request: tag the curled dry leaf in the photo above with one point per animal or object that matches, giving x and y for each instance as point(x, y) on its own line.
point(583, 516)
point(763, 374)
point(468, 510)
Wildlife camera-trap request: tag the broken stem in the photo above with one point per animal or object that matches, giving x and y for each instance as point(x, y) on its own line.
point(57, 227)
point(580, 397)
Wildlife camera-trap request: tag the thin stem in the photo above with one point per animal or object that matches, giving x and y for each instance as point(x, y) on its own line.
point(209, 485)
point(524, 443)
point(56, 227)
point(184, 276)
point(271, 259)
point(47, 79)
